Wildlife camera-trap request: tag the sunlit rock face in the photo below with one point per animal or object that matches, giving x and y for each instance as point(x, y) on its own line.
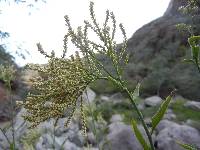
point(157, 51)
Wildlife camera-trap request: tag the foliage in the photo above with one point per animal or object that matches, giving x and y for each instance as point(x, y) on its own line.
point(62, 81)
point(192, 9)
point(30, 139)
point(184, 113)
point(103, 86)
point(160, 113)
point(187, 146)
point(5, 57)
point(139, 136)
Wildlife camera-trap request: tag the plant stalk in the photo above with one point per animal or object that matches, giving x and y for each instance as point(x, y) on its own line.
point(140, 117)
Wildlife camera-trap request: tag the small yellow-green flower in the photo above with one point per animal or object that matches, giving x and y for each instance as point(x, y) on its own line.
point(57, 89)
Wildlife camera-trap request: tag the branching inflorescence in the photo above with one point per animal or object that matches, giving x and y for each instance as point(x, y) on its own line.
point(62, 81)
point(60, 85)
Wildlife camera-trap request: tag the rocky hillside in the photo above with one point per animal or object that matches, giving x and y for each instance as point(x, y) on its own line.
point(157, 50)
point(156, 53)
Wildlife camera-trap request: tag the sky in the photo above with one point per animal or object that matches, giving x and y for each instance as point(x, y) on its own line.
point(45, 23)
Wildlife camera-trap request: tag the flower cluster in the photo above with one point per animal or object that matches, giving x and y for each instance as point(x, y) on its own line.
point(57, 89)
point(62, 81)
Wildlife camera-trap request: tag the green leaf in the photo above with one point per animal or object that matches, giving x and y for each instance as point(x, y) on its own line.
point(139, 136)
point(186, 146)
point(136, 92)
point(161, 111)
point(195, 53)
point(12, 147)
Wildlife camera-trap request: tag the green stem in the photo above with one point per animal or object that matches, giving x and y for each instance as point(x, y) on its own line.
point(132, 99)
point(140, 117)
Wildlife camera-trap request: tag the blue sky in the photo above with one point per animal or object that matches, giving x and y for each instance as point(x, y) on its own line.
point(46, 22)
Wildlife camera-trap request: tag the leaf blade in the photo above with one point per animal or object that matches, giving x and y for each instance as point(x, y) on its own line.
point(139, 136)
point(186, 146)
point(161, 111)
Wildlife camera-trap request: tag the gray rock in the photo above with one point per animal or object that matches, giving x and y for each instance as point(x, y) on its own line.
point(116, 118)
point(120, 137)
point(70, 146)
point(169, 115)
point(64, 143)
point(141, 106)
point(61, 129)
point(116, 126)
point(178, 98)
point(91, 138)
point(166, 138)
point(193, 105)
point(164, 124)
point(40, 144)
point(89, 95)
point(46, 126)
point(20, 124)
point(3, 142)
point(152, 101)
point(116, 98)
point(48, 141)
point(77, 139)
point(104, 98)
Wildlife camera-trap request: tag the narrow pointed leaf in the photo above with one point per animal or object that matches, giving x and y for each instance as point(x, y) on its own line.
point(195, 53)
point(161, 111)
point(139, 136)
point(136, 92)
point(187, 146)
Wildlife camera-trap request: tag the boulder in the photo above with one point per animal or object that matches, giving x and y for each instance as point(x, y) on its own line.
point(104, 98)
point(116, 118)
point(169, 115)
point(120, 137)
point(117, 98)
point(91, 138)
point(164, 124)
point(78, 139)
point(66, 144)
point(171, 132)
point(89, 95)
point(193, 105)
point(152, 101)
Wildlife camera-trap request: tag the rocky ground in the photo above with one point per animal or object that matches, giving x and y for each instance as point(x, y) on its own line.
point(112, 129)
